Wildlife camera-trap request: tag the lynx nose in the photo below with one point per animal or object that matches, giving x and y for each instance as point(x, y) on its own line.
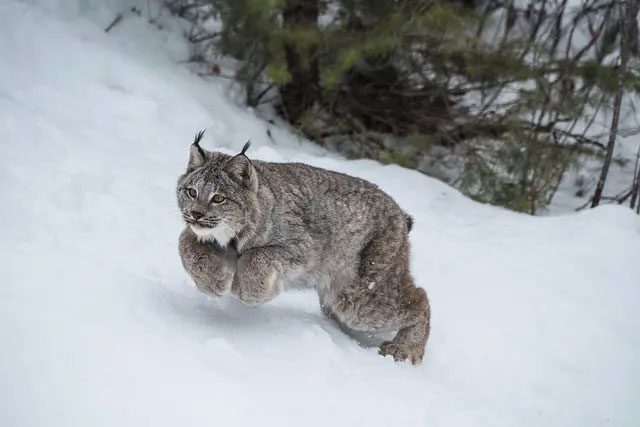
point(196, 214)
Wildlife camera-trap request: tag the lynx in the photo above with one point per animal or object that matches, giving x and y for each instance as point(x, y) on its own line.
point(254, 229)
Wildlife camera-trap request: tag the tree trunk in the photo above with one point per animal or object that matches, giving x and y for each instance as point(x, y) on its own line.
point(630, 14)
point(302, 91)
point(635, 189)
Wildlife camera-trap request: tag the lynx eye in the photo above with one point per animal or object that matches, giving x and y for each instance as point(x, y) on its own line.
point(217, 198)
point(191, 192)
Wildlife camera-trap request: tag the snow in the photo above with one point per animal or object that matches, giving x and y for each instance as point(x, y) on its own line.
point(534, 319)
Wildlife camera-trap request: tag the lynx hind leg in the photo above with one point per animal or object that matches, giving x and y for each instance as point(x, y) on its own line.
point(410, 341)
point(384, 298)
point(405, 309)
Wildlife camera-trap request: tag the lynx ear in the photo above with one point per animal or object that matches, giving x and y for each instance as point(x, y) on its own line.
point(242, 170)
point(197, 155)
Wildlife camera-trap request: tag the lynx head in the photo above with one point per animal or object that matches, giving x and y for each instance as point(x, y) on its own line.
point(217, 195)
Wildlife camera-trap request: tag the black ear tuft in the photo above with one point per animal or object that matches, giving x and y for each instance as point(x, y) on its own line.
point(245, 148)
point(196, 142)
point(199, 136)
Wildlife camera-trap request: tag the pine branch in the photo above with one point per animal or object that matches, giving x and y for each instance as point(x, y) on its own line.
point(113, 23)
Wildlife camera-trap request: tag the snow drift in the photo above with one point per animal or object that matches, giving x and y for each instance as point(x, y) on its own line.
point(534, 319)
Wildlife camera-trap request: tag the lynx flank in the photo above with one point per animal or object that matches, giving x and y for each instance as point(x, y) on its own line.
point(255, 229)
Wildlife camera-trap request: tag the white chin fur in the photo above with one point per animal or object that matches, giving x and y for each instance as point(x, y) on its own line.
point(221, 233)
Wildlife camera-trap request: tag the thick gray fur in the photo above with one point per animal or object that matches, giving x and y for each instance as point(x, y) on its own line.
point(285, 225)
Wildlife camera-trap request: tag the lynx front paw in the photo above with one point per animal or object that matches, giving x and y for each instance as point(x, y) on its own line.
point(217, 286)
point(253, 288)
point(211, 268)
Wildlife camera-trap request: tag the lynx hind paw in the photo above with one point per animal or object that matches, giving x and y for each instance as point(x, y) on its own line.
point(401, 352)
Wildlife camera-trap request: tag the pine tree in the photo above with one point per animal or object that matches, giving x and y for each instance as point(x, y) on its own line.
point(504, 86)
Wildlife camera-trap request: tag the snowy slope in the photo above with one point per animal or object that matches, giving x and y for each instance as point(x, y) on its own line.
point(534, 319)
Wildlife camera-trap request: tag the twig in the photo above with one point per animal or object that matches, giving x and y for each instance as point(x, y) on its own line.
point(636, 180)
point(621, 197)
point(256, 100)
point(200, 39)
point(579, 138)
point(222, 76)
point(115, 22)
point(584, 205)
